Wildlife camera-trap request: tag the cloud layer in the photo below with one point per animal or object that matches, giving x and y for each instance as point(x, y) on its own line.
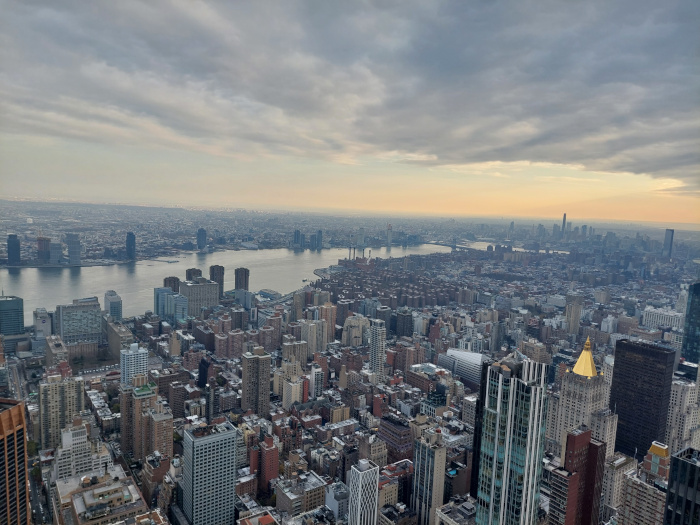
point(609, 86)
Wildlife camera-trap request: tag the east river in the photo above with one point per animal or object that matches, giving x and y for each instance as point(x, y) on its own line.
point(282, 270)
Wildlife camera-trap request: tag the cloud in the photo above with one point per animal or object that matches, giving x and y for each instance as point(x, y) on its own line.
point(610, 87)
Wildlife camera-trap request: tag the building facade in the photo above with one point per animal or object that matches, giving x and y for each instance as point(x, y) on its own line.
point(363, 483)
point(14, 476)
point(429, 460)
point(256, 367)
point(60, 399)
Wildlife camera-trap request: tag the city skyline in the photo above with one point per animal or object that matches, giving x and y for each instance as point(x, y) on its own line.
point(441, 109)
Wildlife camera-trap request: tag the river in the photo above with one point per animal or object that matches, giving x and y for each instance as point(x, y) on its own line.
point(281, 269)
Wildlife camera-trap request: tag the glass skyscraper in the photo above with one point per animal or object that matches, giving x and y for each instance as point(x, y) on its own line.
point(691, 330)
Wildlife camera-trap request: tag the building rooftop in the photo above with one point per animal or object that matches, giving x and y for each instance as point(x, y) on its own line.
point(585, 366)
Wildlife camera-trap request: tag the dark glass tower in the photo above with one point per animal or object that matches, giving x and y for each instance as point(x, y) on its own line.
point(201, 238)
point(682, 498)
point(216, 274)
point(242, 276)
point(130, 246)
point(691, 330)
point(13, 257)
point(11, 315)
point(640, 394)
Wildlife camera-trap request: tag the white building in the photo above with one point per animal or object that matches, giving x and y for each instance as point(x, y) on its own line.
point(315, 382)
point(658, 317)
point(363, 483)
point(200, 293)
point(77, 454)
point(132, 361)
point(79, 322)
point(377, 348)
point(683, 423)
point(113, 305)
point(315, 333)
point(209, 474)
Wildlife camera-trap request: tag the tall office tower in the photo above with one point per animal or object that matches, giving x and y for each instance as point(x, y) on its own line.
point(640, 394)
point(216, 274)
point(512, 420)
point(201, 238)
point(242, 278)
point(302, 241)
point(691, 331)
point(297, 237)
point(377, 348)
point(130, 246)
point(132, 361)
point(563, 226)
point(329, 312)
point(256, 381)
point(209, 474)
point(192, 273)
point(175, 309)
point(615, 472)
point(79, 322)
point(14, 476)
point(269, 463)
point(574, 304)
point(11, 315)
point(315, 333)
point(644, 497)
point(113, 305)
point(404, 323)
point(200, 293)
point(74, 248)
point(173, 283)
point(43, 249)
point(319, 240)
point(581, 400)
point(682, 502)
point(364, 490)
point(668, 244)
point(389, 232)
point(312, 242)
point(13, 250)
point(59, 400)
point(577, 484)
point(55, 253)
point(78, 454)
point(316, 376)
point(146, 420)
point(384, 313)
point(298, 303)
point(683, 424)
point(429, 460)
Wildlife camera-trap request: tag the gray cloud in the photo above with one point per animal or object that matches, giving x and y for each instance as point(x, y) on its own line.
point(612, 86)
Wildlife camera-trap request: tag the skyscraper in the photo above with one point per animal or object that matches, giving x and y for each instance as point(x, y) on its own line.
point(13, 250)
point(201, 238)
point(668, 244)
point(132, 361)
point(319, 240)
point(74, 248)
point(512, 420)
point(173, 283)
point(200, 293)
point(563, 226)
point(256, 381)
point(691, 330)
point(43, 249)
point(113, 305)
point(581, 400)
point(429, 459)
point(11, 315)
point(59, 400)
point(682, 504)
point(209, 474)
point(377, 348)
point(363, 483)
point(574, 304)
point(216, 274)
point(640, 394)
point(242, 278)
point(14, 495)
point(130, 246)
point(192, 273)
point(79, 321)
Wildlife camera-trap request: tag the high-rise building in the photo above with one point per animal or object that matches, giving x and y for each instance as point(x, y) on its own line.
point(363, 483)
point(319, 240)
point(132, 361)
point(577, 484)
point(615, 472)
point(78, 453)
point(11, 315)
point(216, 274)
point(683, 424)
point(563, 226)
point(209, 474)
point(79, 322)
point(682, 501)
point(644, 497)
point(13, 250)
point(14, 476)
point(130, 246)
point(242, 276)
point(512, 422)
point(668, 244)
point(201, 293)
point(574, 304)
point(691, 331)
point(256, 367)
point(429, 460)
point(328, 312)
point(55, 253)
point(377, 348)
point(201, 238)
point(192, 273)
point(640, 394)
point(173, 283)
point(404, 323)
point(43, 249)
point(74, 248)
point(581, 400)
point(60, 399)
point(175, 308)
point(113, 305)
point(389, 232)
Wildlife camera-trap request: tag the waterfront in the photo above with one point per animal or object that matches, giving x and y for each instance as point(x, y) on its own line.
point(281, 269)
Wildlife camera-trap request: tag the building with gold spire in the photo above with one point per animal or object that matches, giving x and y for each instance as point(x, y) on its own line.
point(582, 400)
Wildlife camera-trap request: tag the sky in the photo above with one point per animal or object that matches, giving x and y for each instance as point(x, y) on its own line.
point(504, 108)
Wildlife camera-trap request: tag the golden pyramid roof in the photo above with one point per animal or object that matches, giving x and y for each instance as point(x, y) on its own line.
point(585, 366)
